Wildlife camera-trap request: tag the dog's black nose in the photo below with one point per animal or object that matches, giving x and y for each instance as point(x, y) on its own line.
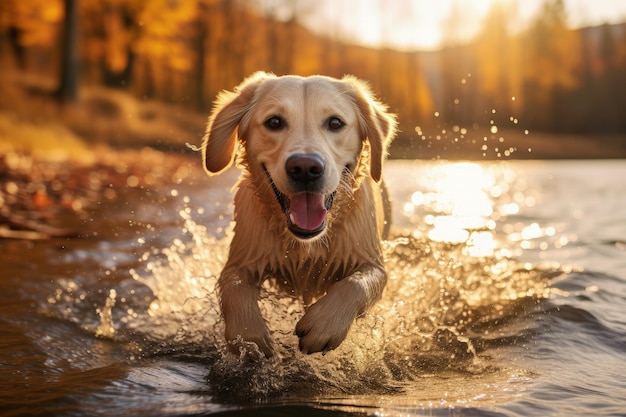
point(305, 167)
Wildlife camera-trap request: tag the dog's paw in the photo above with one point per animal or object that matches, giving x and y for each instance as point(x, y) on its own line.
point(250, 343)
point(323, 327)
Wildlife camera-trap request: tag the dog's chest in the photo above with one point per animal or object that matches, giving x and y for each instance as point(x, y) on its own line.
point(305, 275)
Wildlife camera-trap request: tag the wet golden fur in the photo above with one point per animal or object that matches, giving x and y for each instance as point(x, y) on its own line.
point(341, 269)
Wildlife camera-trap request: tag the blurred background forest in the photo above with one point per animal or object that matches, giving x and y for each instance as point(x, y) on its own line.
point(145, 72)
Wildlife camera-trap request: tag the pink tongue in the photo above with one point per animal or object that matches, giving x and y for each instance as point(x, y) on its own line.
point(306, 210)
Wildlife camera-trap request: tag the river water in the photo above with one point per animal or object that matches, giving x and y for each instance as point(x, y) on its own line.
point(506, 297)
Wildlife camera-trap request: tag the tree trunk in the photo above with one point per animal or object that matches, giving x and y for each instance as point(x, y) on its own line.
point(68, 88)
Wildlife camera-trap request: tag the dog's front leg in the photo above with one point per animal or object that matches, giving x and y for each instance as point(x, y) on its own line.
point(327, 322)
point(243, 322)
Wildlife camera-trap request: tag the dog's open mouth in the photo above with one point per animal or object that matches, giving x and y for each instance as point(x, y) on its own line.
point(306, 212)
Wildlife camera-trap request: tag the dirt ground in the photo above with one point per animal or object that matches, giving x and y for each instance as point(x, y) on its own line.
point(42, 198)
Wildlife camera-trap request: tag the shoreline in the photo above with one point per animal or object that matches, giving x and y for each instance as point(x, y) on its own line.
point(32, 121)
point(50, 177)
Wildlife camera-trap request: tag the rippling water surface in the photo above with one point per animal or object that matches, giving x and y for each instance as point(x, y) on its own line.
point(506, 297)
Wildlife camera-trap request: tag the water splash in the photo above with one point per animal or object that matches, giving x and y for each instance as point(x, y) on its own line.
point(106, 327)
point(447, 305)
point(438, 307)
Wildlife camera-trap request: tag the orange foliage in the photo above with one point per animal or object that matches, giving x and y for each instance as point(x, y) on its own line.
point(36, 20)
point(549, 46)
point(186, 51)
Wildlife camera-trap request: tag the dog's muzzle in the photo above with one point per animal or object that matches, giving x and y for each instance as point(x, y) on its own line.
point(306, 209)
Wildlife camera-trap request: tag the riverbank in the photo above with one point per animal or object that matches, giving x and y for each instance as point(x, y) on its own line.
point(50, 178)
point(57, 161)
point(485, 144)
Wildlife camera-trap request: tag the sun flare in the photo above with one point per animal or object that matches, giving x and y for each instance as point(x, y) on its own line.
point(410, 24)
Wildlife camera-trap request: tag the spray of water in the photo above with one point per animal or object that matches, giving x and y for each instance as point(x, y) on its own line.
point(447, 304)
point(439, 307)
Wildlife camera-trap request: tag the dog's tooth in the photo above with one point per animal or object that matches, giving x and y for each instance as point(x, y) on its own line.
point(291, 219)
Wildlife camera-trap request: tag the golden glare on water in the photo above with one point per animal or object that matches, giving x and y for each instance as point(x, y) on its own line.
point(461, 202)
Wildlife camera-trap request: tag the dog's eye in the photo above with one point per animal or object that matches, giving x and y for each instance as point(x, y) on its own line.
point(335, 123)
point(275, 123)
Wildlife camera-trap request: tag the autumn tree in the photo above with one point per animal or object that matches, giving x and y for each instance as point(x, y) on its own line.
point(456, 68)
point(611, 89)
point(498, 62)
point(33, 27)
point(550, 58)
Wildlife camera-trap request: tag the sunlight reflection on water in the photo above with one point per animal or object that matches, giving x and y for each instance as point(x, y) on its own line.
point(461, 202)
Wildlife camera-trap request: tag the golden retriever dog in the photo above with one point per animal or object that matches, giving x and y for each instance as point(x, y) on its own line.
point(308, 210)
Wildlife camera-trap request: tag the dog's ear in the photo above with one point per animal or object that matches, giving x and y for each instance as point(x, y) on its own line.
point(377, 125)
point(220, 139)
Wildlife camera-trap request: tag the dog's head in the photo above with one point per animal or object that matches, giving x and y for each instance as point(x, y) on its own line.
point(301, 136)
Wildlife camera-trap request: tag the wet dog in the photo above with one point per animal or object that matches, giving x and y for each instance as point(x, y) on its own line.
point(310, 208)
